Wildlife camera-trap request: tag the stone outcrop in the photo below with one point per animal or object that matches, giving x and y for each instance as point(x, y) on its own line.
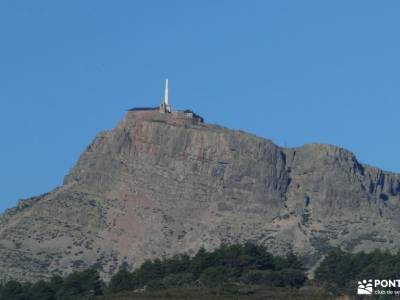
point(160, 184)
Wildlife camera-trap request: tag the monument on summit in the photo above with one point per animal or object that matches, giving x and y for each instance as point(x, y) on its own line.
point(164, 111)
point(165, 107)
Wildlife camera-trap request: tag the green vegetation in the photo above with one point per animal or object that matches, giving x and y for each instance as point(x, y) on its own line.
point(247, 264)
point(241, 272)
point(339, 272)
point(78, 285)
point(222, 270)
point(244, 293)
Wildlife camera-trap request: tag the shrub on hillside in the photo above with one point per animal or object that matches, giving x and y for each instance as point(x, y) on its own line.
point(121, 281)
point(85, 283)
point(216, 276)
point(340, 271)
point(13, 290)
point(178, 280)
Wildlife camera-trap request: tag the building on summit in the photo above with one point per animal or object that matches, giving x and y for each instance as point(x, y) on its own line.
point(166, 108)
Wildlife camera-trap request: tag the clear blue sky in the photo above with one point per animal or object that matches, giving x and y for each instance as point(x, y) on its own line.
point(292, 71)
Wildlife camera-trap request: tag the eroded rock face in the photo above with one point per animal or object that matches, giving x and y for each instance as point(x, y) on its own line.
point(159, 185)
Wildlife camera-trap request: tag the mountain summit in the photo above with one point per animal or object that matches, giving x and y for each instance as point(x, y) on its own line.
point(162, 183)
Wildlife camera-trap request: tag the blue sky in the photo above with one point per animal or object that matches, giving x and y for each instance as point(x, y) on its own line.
point(292, 71)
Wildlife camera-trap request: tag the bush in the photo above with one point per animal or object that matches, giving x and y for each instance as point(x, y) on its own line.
point(41, 290)
point(254, 277)
point(339, 272)
point(177, 264)
point(216, 276)
point(148, 271)
point(121, 281)
point(258, 257)
point(178, 280)
point(155, 285)
point(290, 277)
point(85, 283)
point(56, 283)
point(291, 261)
point(281, 278)
point(13, 290)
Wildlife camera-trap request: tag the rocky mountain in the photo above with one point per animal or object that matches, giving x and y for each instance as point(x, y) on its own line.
point(160, 184)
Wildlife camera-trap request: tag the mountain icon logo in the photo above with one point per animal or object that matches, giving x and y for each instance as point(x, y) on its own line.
point(365, 287)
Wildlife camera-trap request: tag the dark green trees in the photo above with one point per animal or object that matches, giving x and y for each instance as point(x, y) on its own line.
point(121, 281)
point(78, 284)
point(14, 290)
point(226, 264)
point(340, 271)
point(75, 286)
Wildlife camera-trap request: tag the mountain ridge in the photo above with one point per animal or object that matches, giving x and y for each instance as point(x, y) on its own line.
point(160, 184)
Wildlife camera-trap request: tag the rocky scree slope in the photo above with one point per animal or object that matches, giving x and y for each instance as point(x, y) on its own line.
point(158, 185)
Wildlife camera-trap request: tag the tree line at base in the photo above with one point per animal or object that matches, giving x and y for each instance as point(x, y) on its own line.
point(247, 264)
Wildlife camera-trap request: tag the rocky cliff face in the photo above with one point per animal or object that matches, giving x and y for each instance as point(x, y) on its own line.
point(159, 185)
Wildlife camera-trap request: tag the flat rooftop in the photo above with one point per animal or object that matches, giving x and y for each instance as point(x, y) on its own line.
point(143, 108)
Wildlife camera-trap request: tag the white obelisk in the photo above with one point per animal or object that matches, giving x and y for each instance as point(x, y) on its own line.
point(166, 93)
